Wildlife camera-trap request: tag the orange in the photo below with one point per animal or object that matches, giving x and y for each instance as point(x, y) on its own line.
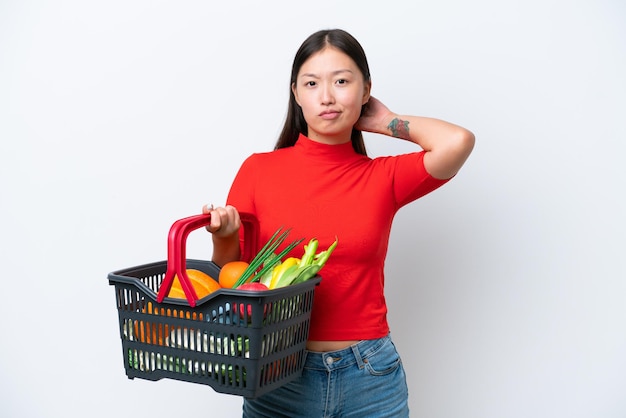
point(231, 272)
point(202, 283)
point(157, 332)
point(150, 332)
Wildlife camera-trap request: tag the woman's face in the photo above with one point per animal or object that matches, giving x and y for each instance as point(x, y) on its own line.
point(331, 90)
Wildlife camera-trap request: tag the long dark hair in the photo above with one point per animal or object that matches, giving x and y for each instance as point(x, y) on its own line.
point(295, 124)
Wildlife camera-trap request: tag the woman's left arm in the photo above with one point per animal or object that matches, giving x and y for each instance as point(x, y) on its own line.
point(447, 145)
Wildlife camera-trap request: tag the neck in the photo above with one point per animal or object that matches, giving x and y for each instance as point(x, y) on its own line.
point(329, 139)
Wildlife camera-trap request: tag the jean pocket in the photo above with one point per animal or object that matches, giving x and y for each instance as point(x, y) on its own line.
point(383, 361)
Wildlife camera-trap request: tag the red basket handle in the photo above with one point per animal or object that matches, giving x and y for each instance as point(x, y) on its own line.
point(177, 251)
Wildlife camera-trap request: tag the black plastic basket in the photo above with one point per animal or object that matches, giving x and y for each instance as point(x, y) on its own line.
point(238, 342)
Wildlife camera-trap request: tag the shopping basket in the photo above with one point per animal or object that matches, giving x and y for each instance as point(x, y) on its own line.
point(238, 342)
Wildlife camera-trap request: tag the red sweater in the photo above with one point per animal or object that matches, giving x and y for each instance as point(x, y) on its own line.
point(326, 191)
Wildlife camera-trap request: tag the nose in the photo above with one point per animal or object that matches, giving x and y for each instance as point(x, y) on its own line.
point(327, 96)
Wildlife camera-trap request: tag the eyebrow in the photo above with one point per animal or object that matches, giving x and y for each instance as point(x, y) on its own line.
point(333, 73)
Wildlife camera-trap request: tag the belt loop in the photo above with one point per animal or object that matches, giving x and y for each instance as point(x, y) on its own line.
point(357, 355)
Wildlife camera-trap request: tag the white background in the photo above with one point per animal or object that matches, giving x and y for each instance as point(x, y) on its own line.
point(506, 288)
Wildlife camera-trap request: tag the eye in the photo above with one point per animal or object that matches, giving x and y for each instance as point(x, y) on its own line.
point(310, 84)
point(342, 81)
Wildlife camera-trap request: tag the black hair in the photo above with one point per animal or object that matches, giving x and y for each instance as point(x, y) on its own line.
point(295, 124)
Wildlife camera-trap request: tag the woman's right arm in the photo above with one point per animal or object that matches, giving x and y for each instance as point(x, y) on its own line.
point(224, 227)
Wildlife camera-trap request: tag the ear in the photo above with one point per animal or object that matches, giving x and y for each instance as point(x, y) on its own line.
point(367, 92)
point(295, 93)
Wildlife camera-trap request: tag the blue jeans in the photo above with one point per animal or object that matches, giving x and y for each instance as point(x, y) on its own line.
point(362, 381)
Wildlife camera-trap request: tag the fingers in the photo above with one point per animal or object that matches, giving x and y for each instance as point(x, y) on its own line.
point(225, 221)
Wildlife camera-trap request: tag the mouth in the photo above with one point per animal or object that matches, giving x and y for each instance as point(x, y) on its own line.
point(329, 114)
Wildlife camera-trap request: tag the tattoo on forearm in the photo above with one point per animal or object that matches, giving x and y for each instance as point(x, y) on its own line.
point(399, 128)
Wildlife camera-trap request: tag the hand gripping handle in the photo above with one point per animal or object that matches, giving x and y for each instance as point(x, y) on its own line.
point(177, 251)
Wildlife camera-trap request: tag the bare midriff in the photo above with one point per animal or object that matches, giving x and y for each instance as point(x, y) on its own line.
point(324, 346)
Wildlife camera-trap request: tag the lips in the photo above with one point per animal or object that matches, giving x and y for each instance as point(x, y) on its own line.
point(329, 114)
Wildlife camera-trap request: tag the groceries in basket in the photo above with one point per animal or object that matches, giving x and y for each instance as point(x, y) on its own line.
point(267, 270)
point(196, 340)
point(177, 321)
point(201, 282)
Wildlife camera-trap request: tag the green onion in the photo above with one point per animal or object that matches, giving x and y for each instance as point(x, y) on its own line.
point(266, 258)
point(271, 263)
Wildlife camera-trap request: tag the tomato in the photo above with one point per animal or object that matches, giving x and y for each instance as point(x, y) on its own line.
point(250, 287)
point(253, 287)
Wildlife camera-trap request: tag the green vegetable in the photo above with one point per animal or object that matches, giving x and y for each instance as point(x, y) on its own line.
point(308, 266)
point(321, 258)
point(306, 272)
point(266, 277)
point(309, 252)
point(287, 276)
point(266, 259)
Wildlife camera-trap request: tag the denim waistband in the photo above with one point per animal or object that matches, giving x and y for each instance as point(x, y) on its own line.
point(355, 354)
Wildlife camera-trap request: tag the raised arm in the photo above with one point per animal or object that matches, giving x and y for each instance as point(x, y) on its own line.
point(447, 145)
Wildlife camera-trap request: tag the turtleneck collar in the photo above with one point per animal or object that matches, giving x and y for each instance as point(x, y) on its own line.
point(338, 152)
